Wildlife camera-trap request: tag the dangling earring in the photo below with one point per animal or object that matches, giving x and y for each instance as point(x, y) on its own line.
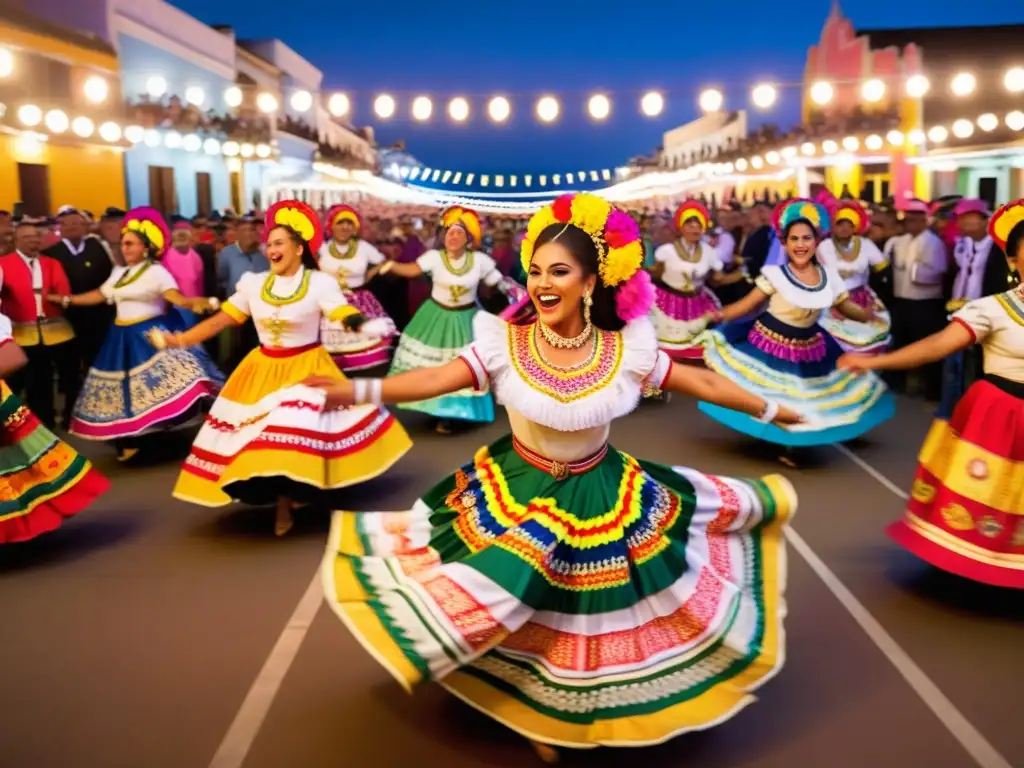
point(587, 303)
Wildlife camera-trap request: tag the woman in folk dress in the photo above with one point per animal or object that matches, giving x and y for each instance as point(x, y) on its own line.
point(578, 595)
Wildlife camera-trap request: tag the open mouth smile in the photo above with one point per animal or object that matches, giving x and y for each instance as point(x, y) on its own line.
point(548, 301)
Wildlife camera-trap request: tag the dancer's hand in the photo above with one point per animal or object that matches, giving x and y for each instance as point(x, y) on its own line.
point(714, 317)
point(340, 394)
point(855, 362)
point(787, 416)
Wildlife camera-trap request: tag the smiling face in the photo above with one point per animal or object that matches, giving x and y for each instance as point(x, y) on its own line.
point(692, 231)
point(557, 283)
point(283, 253)
point(343, 230)
point(455, 239)
point(800, 244)
point(133, 248)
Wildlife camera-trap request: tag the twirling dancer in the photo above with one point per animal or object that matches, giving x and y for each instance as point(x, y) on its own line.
point(43, 480)
point(784, 354)
point(131, 389)
point(964, 514)
point(443, 325)
point(353, 262)
point(855, 257)
point(682, 270)
point(265, 438)
point(577, 595)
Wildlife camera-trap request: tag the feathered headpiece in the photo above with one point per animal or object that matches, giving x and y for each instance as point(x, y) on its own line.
point(853, 212)
point(457, 216)
point(691, 209)
point(344, 213)
point(1003, 221)
point(149, 223)
point(800, 208)
point(296, 216)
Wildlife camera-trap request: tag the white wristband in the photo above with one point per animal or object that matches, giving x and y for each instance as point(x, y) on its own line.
point(771, 410)
point(360, 393)
point(376, 391)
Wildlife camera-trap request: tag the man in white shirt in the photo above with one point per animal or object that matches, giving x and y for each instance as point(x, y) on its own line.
point(920, 265)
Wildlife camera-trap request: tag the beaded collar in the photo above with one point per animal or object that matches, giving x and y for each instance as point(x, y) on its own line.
point(852, 252)
point(128, 277)
point(267, 293)
point(350, 249)
point(565, 385)
point(791, 277)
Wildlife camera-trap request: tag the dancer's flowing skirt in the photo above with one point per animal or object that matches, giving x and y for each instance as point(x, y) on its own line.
point(133, 388)
point(623, 605)
point(966, 509)
point(359, 350)
point(854, 336)
point(43, 480)
point(959, 371)
point(679, 318)
point(797, 368)
point(435, 336)
point(268, 436)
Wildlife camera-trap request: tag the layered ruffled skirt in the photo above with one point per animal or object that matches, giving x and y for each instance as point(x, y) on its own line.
point(623, 605)
point(796, 367)
point(679, 318)
point(854, 336)
point(268, 436)
point(133, 388)
point(437, 335)
point(966, 509)
point(43, 480)
point(359, 350)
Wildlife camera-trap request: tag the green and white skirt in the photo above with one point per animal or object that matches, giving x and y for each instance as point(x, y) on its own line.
point(611, 602)
point(436, 335)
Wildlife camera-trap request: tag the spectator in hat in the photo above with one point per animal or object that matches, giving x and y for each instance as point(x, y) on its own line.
point(110, 234)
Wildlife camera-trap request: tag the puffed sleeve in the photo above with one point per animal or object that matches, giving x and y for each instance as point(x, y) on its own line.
point(977, 316)
point(429, 261)
point(374, 256)
point(162, 280)
point(238, 306)
point(763, 284)
point(488, 354)
point(663, 252)
point(489, 273)
point(329, 297)
point(640, 353)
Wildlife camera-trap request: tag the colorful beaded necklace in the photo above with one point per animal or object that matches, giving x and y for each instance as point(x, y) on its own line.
point(457, 271)
point(128, 277)
point(267, 293)
point(350, 250)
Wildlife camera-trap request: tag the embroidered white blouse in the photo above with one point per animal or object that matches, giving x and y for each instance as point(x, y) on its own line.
point(797, 304)
point(997, 323)
point(856, 264)
point(350, 271)
point(287, 310)
point(564, 415)
point(141, 293)
point(458, 290)
point(682, 274)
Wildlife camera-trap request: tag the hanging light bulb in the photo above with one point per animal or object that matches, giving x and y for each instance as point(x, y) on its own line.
point(652, 104)
point(764, 95)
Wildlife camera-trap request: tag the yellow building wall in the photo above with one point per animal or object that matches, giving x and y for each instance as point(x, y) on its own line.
point(755, 189)
point(850, 176)
point(85, 176)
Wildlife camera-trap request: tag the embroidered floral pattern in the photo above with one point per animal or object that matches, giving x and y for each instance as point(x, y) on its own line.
point(569, 385)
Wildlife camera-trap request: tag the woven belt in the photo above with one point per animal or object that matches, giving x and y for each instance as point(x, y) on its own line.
point(560, 470)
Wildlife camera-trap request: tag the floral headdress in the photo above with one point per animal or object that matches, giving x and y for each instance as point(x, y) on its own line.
point(800, 208)
point(691, 209)
point(853, 212)
point(298, 217)
point(620, 249)
point(457, 216)
point(149, 223)
point(1003, 221)
point(344, 213)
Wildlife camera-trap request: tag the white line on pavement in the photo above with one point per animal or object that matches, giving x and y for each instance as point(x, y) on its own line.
point(242, 733)
point(885, 481)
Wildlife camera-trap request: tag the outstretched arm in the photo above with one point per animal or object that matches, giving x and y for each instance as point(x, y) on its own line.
point(12, 358)
point(408, 387)
point(952, 338)
point(88, 299)
point(854, 312)
point(409, 270)
point(745, 306)
point(197, 334)
point(712, 388)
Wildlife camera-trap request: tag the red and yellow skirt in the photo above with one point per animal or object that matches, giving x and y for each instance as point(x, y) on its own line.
point(966, 511)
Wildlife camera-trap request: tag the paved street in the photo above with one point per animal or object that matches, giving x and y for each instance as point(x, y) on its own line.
point(132, 636)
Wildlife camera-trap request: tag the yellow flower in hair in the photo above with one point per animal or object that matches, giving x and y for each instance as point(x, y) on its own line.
point(540, 221)
point(621, 263)
point(151, 231)
point(590, 212)
point(294, 218)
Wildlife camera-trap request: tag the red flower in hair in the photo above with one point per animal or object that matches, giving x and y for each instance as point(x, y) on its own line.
point(562, 208)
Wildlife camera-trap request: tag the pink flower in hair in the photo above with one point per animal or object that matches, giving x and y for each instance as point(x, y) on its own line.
point(620, 230)
point(635, 297)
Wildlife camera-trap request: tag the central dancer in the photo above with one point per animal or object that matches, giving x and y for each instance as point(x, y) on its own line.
point(578, 595)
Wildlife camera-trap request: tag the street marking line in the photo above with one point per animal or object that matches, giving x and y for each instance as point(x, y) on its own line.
point(885, 481)
point(246, 726)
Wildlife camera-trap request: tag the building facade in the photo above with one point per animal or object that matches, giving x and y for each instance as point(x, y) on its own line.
point(61, 131)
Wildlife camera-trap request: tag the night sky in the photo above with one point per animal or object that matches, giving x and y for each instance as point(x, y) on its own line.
point(522, 50)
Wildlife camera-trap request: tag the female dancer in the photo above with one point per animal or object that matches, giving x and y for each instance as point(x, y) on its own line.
point(682, 270)
point(855, 257)
point(570, 591)
point(42, 480)
point(443, 325)
point(264, 438)
point(964, 514)
point(132, 390)
point(353, 262)
point(784, 354)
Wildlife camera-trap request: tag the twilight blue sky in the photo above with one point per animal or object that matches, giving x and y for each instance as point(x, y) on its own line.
point(523, 49)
